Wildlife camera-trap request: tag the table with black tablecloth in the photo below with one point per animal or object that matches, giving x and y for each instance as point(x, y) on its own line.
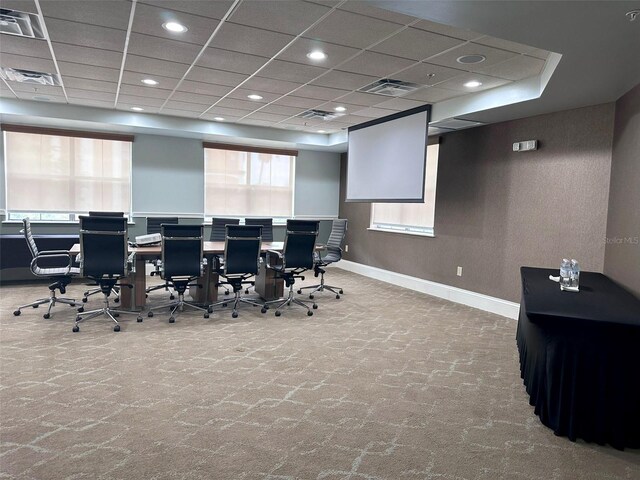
point(580, 357)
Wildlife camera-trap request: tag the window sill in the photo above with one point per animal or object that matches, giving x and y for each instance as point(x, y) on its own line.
point(403, 232)
point(49, 222)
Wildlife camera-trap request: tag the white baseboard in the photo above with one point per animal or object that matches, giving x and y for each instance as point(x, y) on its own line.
point(458, 295)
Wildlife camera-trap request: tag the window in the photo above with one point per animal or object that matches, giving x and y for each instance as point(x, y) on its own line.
point(55, 176)
point(415, 218)
point(247, 182)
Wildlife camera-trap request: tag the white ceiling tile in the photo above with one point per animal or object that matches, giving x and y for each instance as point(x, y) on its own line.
point(106, 13)
point(144, 91)
point(290, 72)
point(420, 72)
point(365, 7)
point(457, 83)
point(493, 55)
point(336, 54)
point(27, 63)
point(73, 33)
point(88, 84)
point(399, 104)
point(87, 55)
point(39, 97)
point(301, 102)
point(178, 113)
point(320, 93)
point(344, 80)
point(5, 92)
point(363, 99)
point(149, 19)
point(196, 98)
point(515, 68)
point(243, 93)
point(259, 123)
point(376, 64)
point(331, 107)
point(127, 107)
point(416, 44)
point(346, 28)
point(36, 89)
point(513, 46)
point(282, 110)
point(162, 48)
point(270, 85)
point(135, 78)
point(88, 71)
point(186, 106)
point(202, 88)
point(90, 102)
point(255, 41)
point(206, 8)
point(433, 95)
point(228, 112)
point(297, 121)
point(152, 66)
point(29, 47)
point(286, 16)
point(461, 33)
point(91, 94)
point(372, 112)
point(136, 100)
point(247, 105)
point(231, 61)
point(271, 117)
point(227, 118)
point(219, 77)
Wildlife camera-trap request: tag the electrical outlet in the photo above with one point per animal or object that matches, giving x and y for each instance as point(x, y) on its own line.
point(346, 248)
point(459, 272)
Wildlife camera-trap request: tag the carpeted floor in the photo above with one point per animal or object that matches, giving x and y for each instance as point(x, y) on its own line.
point(384, 383)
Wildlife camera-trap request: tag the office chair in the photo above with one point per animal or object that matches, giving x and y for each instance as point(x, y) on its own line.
point(154, 226)
point(182, 263)
point(267, 227)
point(296, 257)
point(60, 276)
point(93, 291)
point(241, 261)
point(219, 234)
point(333, 253)
point(103, 248)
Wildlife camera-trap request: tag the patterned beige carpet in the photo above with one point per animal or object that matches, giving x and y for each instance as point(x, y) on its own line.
point(384, 383)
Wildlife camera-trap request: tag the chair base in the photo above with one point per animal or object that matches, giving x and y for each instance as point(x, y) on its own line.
point(158, 287)
point(321, 287)
point(291, 299)
point(178, 305)
point(51, 300)
point(93, 291)
point(106, 310)
point(236, 301)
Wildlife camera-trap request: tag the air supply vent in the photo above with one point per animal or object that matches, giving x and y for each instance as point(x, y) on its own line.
point(390, 88)
point(317, 115)
point(22, 24)
point(29, 76)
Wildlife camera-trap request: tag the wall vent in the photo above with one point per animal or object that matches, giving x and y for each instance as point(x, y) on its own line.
point(22, 24)
point(29, 76)
point(390, 88)
point(317, 115)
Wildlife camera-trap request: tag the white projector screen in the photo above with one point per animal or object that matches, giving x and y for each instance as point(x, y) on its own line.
point(387, 158)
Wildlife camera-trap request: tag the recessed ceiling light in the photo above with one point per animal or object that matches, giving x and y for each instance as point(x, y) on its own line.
point(321, 131)
point(137, 109)
point(340, 109)
point(253, 96)
point(219, 119)
point(174, 27)
point(317, 55)
point(149, 81)
point(473, 84)
point(471, 59)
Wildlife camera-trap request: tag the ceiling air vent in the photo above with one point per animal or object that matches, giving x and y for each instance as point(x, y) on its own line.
point(317, 115)
point(22, 24)
point(29, 76)
point(390, 88)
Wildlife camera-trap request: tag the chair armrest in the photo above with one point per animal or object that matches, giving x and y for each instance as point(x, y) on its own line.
point(52, 254)
point(271, 253)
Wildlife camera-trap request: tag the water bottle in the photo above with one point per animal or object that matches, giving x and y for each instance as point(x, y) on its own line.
point(575, 273)
point(565, 272)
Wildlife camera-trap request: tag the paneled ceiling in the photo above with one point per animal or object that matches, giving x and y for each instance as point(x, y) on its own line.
point(103, 50)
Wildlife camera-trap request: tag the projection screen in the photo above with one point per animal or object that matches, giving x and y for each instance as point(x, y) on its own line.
point(387, 158)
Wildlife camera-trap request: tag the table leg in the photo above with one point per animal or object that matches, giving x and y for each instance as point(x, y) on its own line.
point(134, 298)
point(268, 286)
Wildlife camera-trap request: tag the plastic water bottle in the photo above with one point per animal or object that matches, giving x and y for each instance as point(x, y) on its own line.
point(565, 272)
point(575, 273)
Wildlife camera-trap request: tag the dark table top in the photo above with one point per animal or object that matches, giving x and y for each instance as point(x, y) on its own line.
point(600, 299)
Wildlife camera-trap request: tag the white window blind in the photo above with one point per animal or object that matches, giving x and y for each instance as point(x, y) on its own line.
point(248, 183)
point(66, 175)
point(411, 217)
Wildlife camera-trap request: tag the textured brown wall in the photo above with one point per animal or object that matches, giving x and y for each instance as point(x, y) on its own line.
point(622, 253)
point(497, 210)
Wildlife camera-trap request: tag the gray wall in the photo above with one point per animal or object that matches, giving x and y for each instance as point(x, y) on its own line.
point(622, 252)
point(497, 210)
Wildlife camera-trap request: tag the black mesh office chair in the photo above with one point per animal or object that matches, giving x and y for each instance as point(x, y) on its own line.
point(267, 227)
point(154, 226)
point(241, 261)
point(296, 257)
point(218, 234)
point(103, 249)
point(93, 291)
point(181, 264)
point(332, 254)
point(60, 276)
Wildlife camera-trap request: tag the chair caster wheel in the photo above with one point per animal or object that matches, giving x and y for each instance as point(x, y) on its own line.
point(116, 328)
point(226, 292)
point(172, 320)
point(146, 295)
point(150, 314)
point(139, 319)
point(116, 300)
point(341, 292)
point(337, 297)
point(224, 304)
point(84, 300)
point(78, 318)
point(206, 315)
point(263, 310)
point(246, 292)
point(309, 313)
point(16, 312)
point(315, 306)
point(46, 315)
point(278, 313)
point(116, 314)
point(36, 306)
point(311, 297)
point(172, 297)
point(299, 291)
point(234, 314)
point(81, 309)
point(210, 310)
point(75, 329)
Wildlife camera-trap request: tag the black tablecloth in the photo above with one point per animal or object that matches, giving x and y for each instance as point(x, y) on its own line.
point(580, 357)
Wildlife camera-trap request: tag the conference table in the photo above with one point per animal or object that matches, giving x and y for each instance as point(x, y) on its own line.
point(580, 357)
point(267, 285)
